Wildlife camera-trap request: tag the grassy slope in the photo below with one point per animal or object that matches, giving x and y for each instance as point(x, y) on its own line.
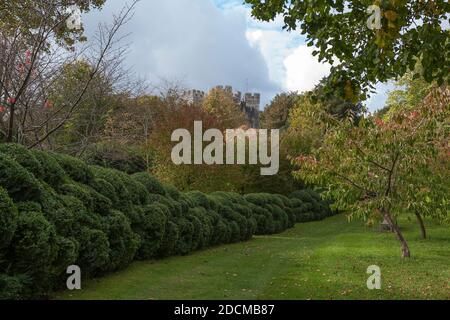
point(317, 260)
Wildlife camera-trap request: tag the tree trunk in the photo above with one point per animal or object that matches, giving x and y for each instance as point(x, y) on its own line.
point(405, 249)
point(422, 226)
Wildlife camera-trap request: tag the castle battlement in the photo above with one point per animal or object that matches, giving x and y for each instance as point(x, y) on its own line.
point(249, 102)
point(194, 96)
point(252, 100)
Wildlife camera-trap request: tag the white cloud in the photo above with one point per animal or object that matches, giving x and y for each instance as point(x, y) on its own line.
point(208, 42)
point(274, 47)
point(290, 62)
point(303, 70)
point(193, 41)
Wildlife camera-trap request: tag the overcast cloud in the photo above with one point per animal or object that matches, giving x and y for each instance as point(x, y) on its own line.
point(204, 43)
point(192, 41)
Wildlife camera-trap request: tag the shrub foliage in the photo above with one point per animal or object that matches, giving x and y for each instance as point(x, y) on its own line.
point(56, 210)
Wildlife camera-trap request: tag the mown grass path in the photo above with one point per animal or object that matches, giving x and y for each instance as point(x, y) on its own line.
point(316, 260)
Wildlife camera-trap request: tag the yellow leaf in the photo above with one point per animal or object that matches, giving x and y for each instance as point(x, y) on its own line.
point(390, 15)
point(349, 94)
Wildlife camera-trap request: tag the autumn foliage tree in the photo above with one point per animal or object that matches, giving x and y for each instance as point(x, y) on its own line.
point(187, 177)
point(36, 44)
point(220, 103)
point(383, 168)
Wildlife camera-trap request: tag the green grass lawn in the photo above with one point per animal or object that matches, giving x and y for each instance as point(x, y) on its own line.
point(317, 260)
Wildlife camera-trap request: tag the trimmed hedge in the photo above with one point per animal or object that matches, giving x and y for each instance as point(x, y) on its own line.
point(8, 220)
point(56, 210)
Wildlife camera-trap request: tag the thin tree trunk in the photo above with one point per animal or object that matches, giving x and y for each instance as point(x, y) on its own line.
point(405, 249)
point(422, 226)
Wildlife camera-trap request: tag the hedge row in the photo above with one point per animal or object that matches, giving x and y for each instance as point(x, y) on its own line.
point(56, 211)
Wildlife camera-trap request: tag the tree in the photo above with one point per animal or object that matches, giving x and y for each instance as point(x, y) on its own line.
point(305, 132)
point(363, 56)
point(275, 115)
point(409, 93)
point(336, 105)
point(134, 119)
point(220, 103)
point(112, 93)
point(379, 168)
point(36, 43)
point(203, 177)
point(27, 16)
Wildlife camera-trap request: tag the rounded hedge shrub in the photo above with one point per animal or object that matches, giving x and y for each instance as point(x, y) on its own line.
point(120, 196)
point(150, 183)
point(123, 242)
point(198, 199)
point(80, 192)
point(52, 172)
point(64, 217)
point(172, 192)
point(151, 230)
point(34, 252)
point(28, 206)
point(66, 256)
point(221, 231)
point(105, 188)
point(8, 220)
point(20, 184)
point(169, 241)
point(56, 211)
point(115, 156)
point(24, 157)
point(74, 168)
point(12, 287)
point(137, 192)
point(185, 234)
point(94, 251)
point(101, 204)
point(175, 208)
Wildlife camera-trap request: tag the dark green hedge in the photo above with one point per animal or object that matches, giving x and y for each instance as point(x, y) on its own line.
point(56, 210)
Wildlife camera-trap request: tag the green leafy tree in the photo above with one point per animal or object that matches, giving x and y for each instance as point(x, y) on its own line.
point(305, 132)
point(26, 16)
point(336, 105)
point(275, 115)
point(363, 56)
point(410, 91)
point(380, 168)
point(88, 120)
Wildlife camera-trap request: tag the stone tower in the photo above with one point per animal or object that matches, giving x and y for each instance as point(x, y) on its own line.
point(249, 103)
point(250, 106)
point(194, 96)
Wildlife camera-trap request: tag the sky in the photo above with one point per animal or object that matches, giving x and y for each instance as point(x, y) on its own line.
point(204, 43)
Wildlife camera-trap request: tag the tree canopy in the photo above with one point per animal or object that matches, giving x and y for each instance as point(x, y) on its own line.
point(28, 15)
point(411, 33)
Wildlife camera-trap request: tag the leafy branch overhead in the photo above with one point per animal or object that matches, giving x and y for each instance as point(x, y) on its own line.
point(411, 34)
point(26, 16)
